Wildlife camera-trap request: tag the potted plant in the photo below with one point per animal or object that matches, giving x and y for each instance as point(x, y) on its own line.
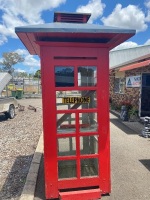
point(133, 114)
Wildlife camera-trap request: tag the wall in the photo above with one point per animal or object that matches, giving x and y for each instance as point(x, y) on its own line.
point(131, 95)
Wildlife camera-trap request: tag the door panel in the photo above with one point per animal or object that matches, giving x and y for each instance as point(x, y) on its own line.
point(145, 95)
point(77, 123)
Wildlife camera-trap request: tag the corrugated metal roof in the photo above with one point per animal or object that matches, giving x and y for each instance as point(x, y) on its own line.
point(120, 58)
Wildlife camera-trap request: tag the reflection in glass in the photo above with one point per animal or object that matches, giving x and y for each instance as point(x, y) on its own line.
point(89, 167)
point(145, 80)
point(88, 122)
point(60, 95)
point(66, 123)
point(66, 146)
point(66, 169)
point(89, 144)
point(64, 76)
point(87, 76)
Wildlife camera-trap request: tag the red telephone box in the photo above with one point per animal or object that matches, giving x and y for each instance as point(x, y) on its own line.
point(75, 91)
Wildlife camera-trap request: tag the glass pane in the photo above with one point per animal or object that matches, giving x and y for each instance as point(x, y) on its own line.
point(64, 76)
point(116, 85)
point(66, 123)
point(121, 85)
point(89, 144)
point(89, 167)
point(88, 122)
point(66, 146)
point(146, 80)
point(76, 99)
point(66, 169)
point(87, 76)
point(145, 102)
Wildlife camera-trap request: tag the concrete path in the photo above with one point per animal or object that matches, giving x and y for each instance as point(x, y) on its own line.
point(130, 163)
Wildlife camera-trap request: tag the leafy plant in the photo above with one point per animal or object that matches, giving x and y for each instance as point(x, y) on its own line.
point(133, 114)
point(127, 104)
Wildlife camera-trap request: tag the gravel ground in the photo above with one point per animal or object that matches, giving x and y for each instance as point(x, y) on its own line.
point(18, 141)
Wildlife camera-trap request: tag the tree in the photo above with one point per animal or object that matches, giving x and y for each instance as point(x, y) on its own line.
point(18, 74)
point(31, 75)
point(23, 74)
point(9, 59)
point(37, 74)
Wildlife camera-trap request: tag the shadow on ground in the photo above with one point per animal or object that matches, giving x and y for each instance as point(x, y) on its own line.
point(16, 178)
point(117, 122)
point(3, 117)
point(40, 184)
point(146, 163)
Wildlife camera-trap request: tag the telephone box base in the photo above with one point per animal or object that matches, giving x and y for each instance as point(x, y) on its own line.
point(92, 194)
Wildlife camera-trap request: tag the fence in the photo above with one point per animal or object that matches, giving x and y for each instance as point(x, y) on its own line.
point(28, 85)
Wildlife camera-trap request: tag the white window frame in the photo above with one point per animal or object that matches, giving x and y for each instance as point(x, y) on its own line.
point(121, 85)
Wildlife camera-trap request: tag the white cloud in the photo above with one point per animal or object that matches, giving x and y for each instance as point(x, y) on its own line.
point(22, 12)
point(22, 52)
point(147, 4)
point(95, 7)
point(147, 42)
point(129, 17)
point(30, 60)
point(126, 45)
point(147, 19)
point(3, 39)
point(19, 70)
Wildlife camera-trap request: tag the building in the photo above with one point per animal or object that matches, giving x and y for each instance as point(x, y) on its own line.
point(130, 78)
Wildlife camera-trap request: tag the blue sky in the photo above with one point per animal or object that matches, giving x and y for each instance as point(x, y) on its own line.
point(134, 14)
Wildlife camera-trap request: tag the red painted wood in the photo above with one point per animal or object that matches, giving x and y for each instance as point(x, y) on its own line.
point(92, 194)
point(75, 183)
point(73, 125)
point(48, 62)
point(78, 145)
point(49, 127)
point(80, 156)
point(103, 118)
point(24, 38)
point(32, 37)
point(74, 134)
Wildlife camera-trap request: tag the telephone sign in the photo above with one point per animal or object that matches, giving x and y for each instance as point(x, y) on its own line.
point(76, 100)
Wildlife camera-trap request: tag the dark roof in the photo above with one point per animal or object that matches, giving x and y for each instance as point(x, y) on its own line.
point(71, 28)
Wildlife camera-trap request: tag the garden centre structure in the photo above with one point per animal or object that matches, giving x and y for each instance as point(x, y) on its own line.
point(130, 78)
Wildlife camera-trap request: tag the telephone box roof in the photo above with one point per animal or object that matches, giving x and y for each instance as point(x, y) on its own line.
point(66, 32)
point(71, 17)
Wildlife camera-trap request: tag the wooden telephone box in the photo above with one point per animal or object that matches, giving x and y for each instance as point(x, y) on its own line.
point(75, 92)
